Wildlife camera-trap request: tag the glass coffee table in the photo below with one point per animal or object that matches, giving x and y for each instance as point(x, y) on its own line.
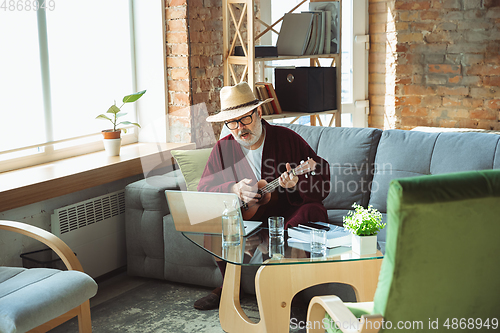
point(285, 269)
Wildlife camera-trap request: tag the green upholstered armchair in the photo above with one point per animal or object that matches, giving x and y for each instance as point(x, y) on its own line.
point(441, 270)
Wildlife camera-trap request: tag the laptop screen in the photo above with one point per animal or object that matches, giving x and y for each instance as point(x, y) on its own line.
point(201, 212)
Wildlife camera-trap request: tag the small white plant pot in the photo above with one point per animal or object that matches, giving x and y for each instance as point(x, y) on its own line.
point(364, 244)
point(112, 146)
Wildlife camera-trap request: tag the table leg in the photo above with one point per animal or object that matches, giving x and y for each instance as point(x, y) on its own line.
point(276, 285)
point(231, 315)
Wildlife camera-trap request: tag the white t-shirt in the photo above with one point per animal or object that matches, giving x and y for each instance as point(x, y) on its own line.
point(254, 158)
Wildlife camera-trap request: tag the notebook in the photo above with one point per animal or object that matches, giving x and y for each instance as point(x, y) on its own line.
point(202, 211)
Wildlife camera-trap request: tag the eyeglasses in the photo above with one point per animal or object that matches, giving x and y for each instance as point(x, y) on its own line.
point(246, 120)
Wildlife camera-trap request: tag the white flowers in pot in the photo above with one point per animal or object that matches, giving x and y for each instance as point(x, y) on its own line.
point(112, 140)
point(364, 224)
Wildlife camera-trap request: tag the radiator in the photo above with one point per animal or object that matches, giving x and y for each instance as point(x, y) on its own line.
point(95, 230)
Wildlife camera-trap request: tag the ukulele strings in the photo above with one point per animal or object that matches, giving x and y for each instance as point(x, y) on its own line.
point(272, 185)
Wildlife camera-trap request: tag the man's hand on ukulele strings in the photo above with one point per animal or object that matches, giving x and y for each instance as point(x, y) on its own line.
point(288, 180)
point(246, 192)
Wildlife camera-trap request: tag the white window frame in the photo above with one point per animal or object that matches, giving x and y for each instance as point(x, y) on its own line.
point(358, 108)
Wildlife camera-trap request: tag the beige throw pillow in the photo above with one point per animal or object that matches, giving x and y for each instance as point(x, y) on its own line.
point(192, 163)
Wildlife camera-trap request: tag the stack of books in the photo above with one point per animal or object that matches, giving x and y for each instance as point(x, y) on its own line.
point(336, 236)
point(265, 90)
point(312, 32)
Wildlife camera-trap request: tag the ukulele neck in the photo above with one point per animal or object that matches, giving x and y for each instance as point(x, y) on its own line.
point(274, 184)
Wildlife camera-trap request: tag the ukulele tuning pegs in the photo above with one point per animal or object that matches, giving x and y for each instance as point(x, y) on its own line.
point(302, 162)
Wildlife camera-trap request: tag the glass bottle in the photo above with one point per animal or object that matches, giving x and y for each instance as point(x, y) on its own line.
point(231, 224)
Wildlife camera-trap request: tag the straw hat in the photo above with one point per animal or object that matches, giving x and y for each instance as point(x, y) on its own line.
point(235, 101)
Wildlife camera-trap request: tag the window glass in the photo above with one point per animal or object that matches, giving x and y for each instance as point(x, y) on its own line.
point(90, 64)
point(20, 83)
point(59, 69)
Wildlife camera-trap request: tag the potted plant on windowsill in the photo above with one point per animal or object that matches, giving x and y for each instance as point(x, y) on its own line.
point(112, 137)
point(364, 224)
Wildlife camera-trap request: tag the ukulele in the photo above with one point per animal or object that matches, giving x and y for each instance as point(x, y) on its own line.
point(266, 190)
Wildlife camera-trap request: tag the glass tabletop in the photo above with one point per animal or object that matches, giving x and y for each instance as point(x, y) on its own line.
point(256, 250)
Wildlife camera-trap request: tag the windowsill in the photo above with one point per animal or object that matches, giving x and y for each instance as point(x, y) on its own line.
point(45, 181)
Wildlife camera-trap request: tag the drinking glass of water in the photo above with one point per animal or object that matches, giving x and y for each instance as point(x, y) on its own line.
point(276, 228)
point(318, 243)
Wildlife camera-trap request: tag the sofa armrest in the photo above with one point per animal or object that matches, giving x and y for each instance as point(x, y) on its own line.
point(145, 207)
point(149, 193)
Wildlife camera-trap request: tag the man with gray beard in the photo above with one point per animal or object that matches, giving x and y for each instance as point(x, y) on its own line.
point(256, 153)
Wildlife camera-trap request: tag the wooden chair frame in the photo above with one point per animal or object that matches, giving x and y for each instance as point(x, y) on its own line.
point(339, 313)
point(71, 262)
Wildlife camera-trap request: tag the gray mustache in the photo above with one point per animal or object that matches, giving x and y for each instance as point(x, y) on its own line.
point(244, 131)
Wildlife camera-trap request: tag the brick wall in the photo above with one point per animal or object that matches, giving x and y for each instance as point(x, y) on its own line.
point(205, 36)
point(448, 63)
point(194, 67)
point(178, 71)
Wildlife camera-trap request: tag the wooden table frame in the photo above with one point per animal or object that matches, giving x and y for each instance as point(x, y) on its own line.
point(276, 285)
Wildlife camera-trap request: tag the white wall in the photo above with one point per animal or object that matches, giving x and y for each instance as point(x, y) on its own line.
point(38, 214)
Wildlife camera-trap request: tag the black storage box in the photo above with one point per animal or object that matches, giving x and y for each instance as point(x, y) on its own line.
point(42, 259)
point(306, 89)
point(261, 51)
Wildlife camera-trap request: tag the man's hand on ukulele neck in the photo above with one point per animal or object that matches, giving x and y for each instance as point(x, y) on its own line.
point(246, 192)
point(287, 179)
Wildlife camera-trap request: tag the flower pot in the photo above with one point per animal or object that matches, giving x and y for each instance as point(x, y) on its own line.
point(364, 244)
point(112, 142)
point(110, 134)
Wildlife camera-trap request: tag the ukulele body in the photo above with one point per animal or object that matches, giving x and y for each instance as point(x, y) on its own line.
point(256, 210)
point(270, 196)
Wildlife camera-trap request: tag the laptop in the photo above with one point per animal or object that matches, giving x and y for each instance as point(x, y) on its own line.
point(201, 212)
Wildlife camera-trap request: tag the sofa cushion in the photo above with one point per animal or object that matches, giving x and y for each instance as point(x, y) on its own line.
point(404, 154)
point(351, 154)
point(311, 134)
point(456, 152)
point(192, 163)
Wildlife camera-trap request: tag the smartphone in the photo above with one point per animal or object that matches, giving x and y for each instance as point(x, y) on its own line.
point(312, 225)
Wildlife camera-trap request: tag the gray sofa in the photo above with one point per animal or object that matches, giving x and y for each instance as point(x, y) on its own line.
point(362, 160)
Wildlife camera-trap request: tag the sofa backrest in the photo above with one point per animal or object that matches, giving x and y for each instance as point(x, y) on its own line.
point(403, 154)
point(351, 155)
